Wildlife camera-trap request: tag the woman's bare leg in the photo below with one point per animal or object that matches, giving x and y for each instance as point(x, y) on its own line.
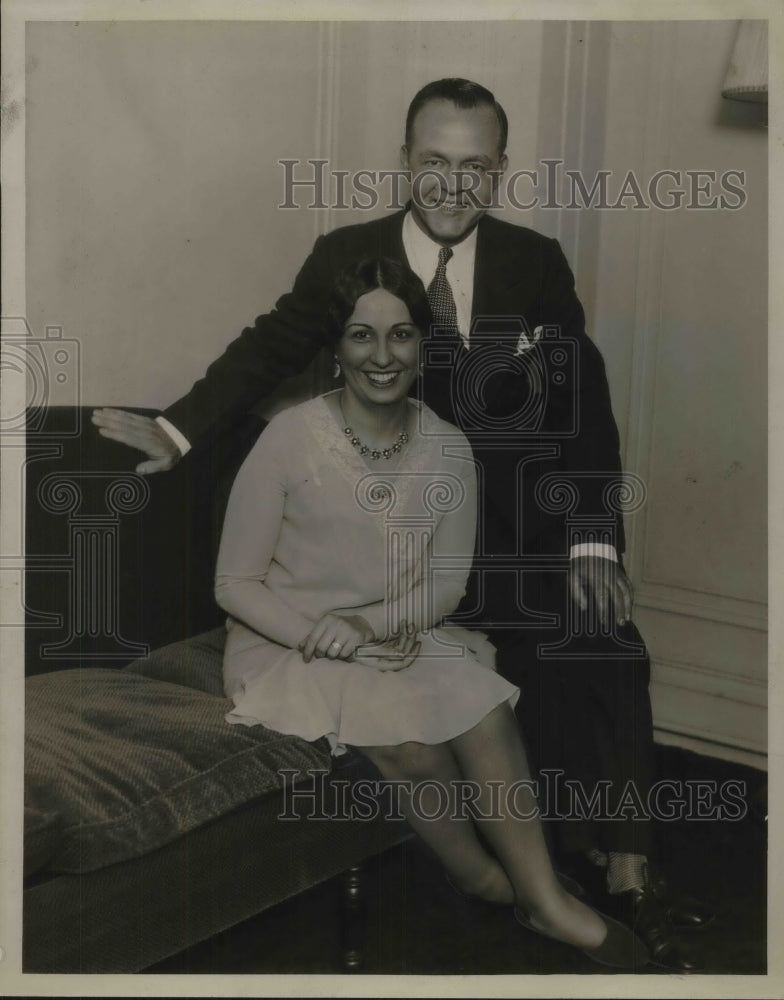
point(493, 750)
point(455, 841)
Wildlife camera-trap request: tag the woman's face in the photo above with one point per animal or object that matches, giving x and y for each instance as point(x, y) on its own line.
point(379, 349)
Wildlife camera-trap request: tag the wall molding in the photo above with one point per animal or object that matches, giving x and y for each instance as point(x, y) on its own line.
point(326, 144)
point(327, 108)
point(650, 260)
point(716, 608)
point(710, 680)
point(696, 635)
point(710, 748)
point(677, 598)
point(681, 700)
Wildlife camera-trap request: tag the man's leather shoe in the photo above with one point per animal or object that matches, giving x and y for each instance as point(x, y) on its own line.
point(683, 911)
point(648, 917)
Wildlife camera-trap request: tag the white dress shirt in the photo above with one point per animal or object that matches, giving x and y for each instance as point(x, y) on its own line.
point(179, 439)
point(422, 254)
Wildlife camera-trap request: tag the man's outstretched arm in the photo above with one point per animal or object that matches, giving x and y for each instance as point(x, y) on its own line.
point(143, 433)
point(281, 343)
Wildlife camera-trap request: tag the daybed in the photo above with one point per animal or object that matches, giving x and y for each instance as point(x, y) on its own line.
point(150, 823)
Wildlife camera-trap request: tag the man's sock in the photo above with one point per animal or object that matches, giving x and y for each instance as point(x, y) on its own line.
point(626, 871)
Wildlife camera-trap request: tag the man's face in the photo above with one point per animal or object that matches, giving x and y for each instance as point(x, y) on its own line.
point(451, 154)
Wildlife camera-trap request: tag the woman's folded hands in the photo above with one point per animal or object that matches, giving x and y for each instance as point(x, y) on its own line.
point(396, 652)
point(350, 637)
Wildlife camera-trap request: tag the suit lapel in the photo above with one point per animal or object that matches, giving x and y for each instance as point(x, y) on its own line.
point(502, 288)
point(492, 272)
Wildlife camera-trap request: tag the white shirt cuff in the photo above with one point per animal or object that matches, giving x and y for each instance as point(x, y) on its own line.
point(179, 439)
point(594, 549)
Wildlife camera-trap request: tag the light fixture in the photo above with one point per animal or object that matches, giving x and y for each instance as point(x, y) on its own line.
point(747, 75)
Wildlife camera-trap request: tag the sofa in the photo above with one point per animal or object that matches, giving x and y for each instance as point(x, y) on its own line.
point(150, 823)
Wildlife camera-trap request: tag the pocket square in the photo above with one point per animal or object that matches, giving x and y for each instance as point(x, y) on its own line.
point(525, 343)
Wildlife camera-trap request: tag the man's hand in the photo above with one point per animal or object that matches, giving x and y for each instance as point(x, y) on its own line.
point(336, 637)
point(602, 583)
point(142, 433)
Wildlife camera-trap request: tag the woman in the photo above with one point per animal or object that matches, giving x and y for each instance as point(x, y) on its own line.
point(348, 536)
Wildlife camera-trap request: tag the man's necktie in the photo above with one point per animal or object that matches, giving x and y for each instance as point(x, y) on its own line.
point(438, 389)
point(439, 294)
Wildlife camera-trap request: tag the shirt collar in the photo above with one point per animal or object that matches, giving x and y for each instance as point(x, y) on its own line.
point(426, 249)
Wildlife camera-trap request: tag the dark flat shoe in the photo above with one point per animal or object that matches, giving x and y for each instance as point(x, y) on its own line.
point(621, 948)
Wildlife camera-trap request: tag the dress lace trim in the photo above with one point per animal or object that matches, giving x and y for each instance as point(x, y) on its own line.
point(382, 493)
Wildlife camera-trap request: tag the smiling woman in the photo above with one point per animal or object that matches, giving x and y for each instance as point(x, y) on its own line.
point(376, 321)
point(341, 554)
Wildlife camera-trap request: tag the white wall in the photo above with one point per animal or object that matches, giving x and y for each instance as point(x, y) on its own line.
point(681, 316)
point(153, 233)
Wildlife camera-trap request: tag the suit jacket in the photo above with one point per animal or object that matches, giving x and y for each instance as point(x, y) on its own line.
point(532, 418)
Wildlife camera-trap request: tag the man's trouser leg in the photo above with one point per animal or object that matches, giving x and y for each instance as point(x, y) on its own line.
point(585, 711)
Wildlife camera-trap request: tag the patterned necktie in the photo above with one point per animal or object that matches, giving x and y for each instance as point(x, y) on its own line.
point(437, 388)
point(439, 294)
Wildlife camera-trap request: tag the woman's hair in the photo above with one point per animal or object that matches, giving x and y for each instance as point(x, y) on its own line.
point(367, 275)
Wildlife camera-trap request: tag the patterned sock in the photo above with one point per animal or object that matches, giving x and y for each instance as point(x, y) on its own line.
point(626, 871)
point(597, 857)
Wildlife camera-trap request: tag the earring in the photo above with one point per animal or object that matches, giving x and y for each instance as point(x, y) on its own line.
point(336, 368)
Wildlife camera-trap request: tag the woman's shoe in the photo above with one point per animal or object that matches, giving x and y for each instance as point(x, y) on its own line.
point(621, 948)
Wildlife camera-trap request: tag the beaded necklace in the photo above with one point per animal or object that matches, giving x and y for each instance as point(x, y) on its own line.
point(365, 449)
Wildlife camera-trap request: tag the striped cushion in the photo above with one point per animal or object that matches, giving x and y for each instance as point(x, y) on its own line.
point(195, 662)
point(117, 764)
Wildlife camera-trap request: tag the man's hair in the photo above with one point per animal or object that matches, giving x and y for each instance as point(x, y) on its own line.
point(365, 276)
point(463, 94)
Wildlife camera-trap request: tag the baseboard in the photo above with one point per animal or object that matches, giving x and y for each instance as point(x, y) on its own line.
point(710, 749)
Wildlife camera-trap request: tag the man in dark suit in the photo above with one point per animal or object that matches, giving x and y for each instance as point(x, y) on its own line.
point(509, 362)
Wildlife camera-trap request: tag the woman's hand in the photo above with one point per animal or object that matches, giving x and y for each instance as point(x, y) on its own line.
point(396, 653)
point(336, 637)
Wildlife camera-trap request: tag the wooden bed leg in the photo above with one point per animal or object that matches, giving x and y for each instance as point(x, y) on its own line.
point(352, 918)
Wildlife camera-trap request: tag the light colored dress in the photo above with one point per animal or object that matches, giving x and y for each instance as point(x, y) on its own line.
point(310, 529)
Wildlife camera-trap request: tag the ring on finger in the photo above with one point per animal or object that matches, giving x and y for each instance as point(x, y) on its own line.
point(337, 646)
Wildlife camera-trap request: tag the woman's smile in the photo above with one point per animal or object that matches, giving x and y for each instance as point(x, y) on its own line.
point(382, 379)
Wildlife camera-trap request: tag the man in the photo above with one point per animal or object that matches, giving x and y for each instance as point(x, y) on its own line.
point(509, 362)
